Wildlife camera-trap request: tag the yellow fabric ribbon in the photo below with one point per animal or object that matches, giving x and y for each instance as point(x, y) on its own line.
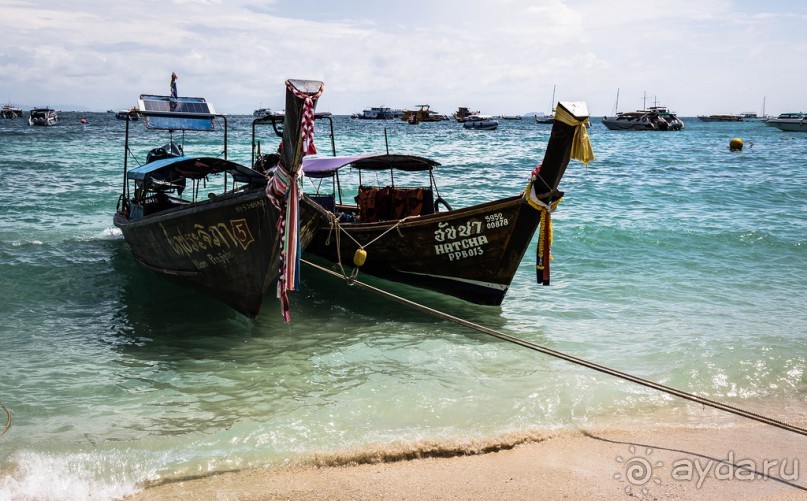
point(542, 239)
point(581, 145)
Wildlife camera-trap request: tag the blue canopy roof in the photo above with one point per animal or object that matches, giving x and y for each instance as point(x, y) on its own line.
point(196, 168)
point(327, 166)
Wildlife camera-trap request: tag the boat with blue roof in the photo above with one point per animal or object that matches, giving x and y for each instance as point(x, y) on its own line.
point(205, 220)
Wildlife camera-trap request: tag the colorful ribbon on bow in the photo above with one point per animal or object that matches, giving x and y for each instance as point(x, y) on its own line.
point(284, 192)
point(307, 124)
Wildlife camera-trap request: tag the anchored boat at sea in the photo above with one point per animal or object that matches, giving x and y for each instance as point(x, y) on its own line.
point(10, 111)
point(412, 235)
point(207, 221)
point(652, 118)
point(725, 117)
point(789, 122)
point(43, 116)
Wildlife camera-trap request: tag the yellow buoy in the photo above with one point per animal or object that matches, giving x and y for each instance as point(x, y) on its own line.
point(359, 257)
point(736, 144)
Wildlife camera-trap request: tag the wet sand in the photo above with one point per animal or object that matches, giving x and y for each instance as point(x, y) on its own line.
point(745, 462)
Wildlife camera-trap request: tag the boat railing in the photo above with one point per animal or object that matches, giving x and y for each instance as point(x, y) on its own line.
point(170, 121)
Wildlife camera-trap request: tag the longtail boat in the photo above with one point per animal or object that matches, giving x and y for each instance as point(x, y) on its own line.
point(207, 221)
point(401, 234)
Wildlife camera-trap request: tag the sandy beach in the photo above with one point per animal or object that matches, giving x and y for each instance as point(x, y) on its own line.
point(748, 462)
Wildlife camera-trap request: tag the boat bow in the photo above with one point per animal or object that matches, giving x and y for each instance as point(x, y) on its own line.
point(569, 140)
point(284, 189)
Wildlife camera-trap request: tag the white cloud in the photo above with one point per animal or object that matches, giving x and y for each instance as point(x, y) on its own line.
point(500, 57)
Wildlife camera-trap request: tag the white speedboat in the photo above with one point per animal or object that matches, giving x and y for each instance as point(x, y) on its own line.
point(653, 118)
point(479, 122)
point(43, 116)
point(262, 112)
point(789, 122)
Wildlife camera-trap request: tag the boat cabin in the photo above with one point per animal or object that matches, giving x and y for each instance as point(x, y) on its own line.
point(161, 184)
point(372, 202)
point(170, 179)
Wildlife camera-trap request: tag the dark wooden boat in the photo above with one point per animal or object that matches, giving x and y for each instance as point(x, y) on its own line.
point(207, 221)
point(401, 235)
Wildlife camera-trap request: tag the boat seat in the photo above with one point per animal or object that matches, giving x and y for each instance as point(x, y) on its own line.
point(388, 203)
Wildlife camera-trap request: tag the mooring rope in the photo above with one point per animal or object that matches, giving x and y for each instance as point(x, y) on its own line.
point(575, 360)
point(8, 423)
point(334, 224)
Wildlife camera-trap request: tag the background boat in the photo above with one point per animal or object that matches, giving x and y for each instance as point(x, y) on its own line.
point(721, 118)
point(423, 113)
point(376, 113)
point(43, 116)
point(462, 113)
point(653, 118)
point(547, 118)
point(10, 111)
point(789, 122)
point(480, 122)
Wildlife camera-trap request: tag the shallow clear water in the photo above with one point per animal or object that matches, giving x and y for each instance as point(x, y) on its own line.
point(675, 260)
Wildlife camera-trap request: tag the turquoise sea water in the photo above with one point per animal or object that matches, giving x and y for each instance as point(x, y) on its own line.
point(675, 260)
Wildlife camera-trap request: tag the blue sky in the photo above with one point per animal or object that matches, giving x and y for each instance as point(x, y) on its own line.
point(501, 57)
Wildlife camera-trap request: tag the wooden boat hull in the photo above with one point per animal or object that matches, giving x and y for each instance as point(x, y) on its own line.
point(470, 253)
point(227, 247)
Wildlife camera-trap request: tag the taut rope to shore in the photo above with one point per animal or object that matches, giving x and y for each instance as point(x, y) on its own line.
point(571, 358)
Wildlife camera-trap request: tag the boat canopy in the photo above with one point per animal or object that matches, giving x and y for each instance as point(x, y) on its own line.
point(323, 167)
point(196, 168)
point(177, 113)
